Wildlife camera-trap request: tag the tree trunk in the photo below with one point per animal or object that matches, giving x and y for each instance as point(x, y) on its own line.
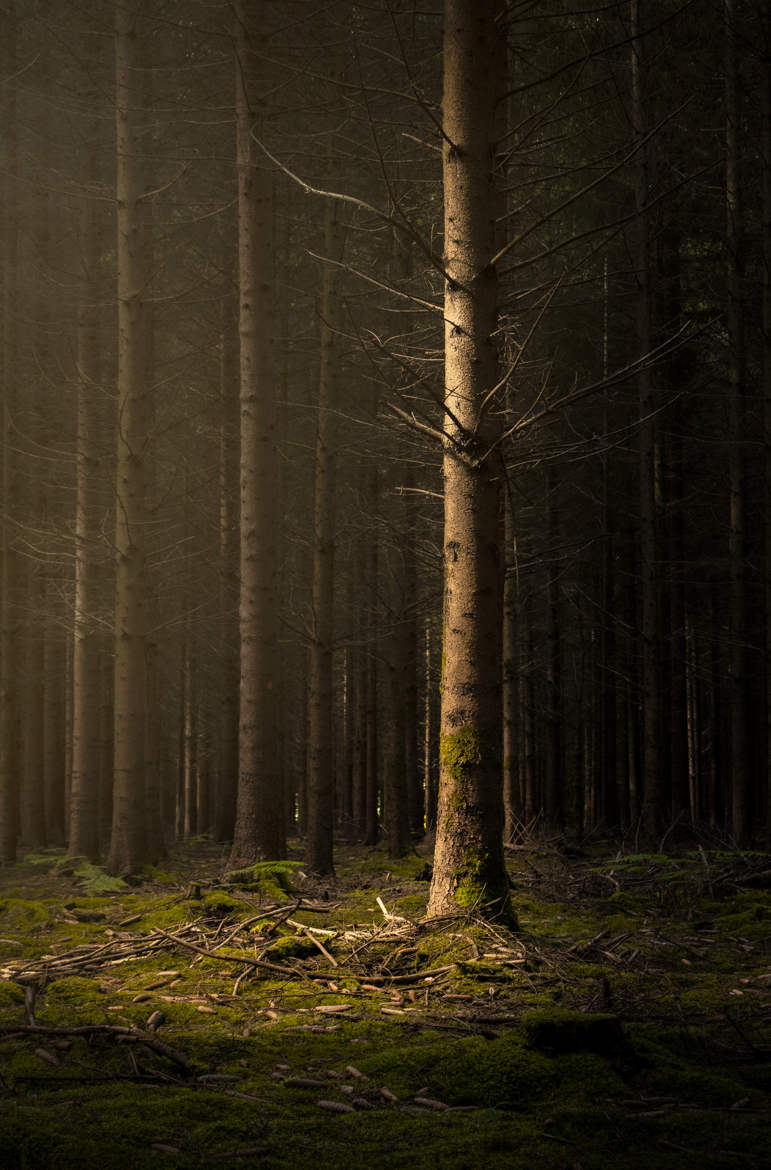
point(765, 84)
point(260, 824)
point(9, 794)
point(321, 761)
point(469, 869)
point(649, 606)
point(737, 624)
point(227, 753)
point(84, 788)
point(128, 845)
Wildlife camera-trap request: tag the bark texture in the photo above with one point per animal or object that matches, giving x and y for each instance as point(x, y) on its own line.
point(127, 849)
point(259, 827)
point(469, 867)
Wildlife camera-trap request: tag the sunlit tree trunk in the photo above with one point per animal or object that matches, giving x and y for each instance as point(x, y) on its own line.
point(259, 829)
point(128, 846)
point(469, 868)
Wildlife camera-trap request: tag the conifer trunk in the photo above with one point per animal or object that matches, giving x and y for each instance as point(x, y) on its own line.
point(260, 823)
point(469, 868)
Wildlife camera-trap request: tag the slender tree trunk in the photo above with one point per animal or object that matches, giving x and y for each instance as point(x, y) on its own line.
point(128, 846)
point(512, 809)
point(430, 754)
point(84, 790)
point(738, 625)
point(321, 761)
point(9, 794)
point(649, 606)
point(765, 84)
point(54, 758)
point(227, 756)
point(553, 755)
point(260, 829)
point(469, 867)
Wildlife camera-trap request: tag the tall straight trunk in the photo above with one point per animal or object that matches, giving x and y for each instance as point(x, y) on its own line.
point(553, 795)
point(54, 757)
point(512, 808)
point(260, 829)
point(765, 84)
point(409, 637)
point(737, 625)
point(429, 735)
point(469, 869)
point(321, 762)
point(649, 607)
point(8, 360)
point(227, 754)
point(32, 796)
point(372, 720)
point(527, 777)
point(128, 846)
point(84, 785)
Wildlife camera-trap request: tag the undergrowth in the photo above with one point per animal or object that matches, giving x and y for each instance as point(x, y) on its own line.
point(205, 1018)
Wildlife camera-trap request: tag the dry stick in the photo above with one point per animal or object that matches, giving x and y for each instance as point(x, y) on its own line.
point(285, 971)
point(127, 1034)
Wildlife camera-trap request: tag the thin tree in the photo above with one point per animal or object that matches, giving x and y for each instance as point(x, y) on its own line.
point(127, 849)
point(260, 822)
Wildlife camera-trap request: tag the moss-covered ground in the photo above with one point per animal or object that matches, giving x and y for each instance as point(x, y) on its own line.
point(195, 1020)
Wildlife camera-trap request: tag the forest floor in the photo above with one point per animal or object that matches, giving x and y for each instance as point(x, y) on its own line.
point(191, 1021)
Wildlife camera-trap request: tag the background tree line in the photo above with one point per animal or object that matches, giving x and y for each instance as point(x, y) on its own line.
point(225, 280)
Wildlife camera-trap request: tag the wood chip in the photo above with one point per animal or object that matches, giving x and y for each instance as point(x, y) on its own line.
point(304, 1083)
point(387, 1095)
point(206, 1010)
point(430, 1103)
point(352, 1071)
point(45, 1054)
point(336, 1106)
point(332, 1009)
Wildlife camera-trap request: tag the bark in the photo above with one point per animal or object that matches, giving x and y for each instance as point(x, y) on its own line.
point(430, 753)
point(84, 784)
point(553, 755)
point(738, 624)
point(469, 868)
point(649, 603)
point(54, 756)
point(321, 754)
point(765, 84)
point(8, 561)
point(227, 756)
point(128, 848)
point(259, 829)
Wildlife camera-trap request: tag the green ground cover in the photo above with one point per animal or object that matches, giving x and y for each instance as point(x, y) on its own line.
point(200, 1018)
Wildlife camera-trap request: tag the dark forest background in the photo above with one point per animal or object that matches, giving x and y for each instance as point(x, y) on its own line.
point(634, 177)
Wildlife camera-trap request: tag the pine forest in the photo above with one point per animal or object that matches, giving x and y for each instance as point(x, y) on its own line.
point(385, 513)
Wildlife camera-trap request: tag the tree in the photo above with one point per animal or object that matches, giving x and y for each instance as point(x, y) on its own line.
point(128, 848)
point(469, 868)
point(260, 823)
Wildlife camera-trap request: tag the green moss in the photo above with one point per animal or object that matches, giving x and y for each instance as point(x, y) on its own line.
point(11, 994)
point(462, 751)
point(294, 946)
point(22, 913)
